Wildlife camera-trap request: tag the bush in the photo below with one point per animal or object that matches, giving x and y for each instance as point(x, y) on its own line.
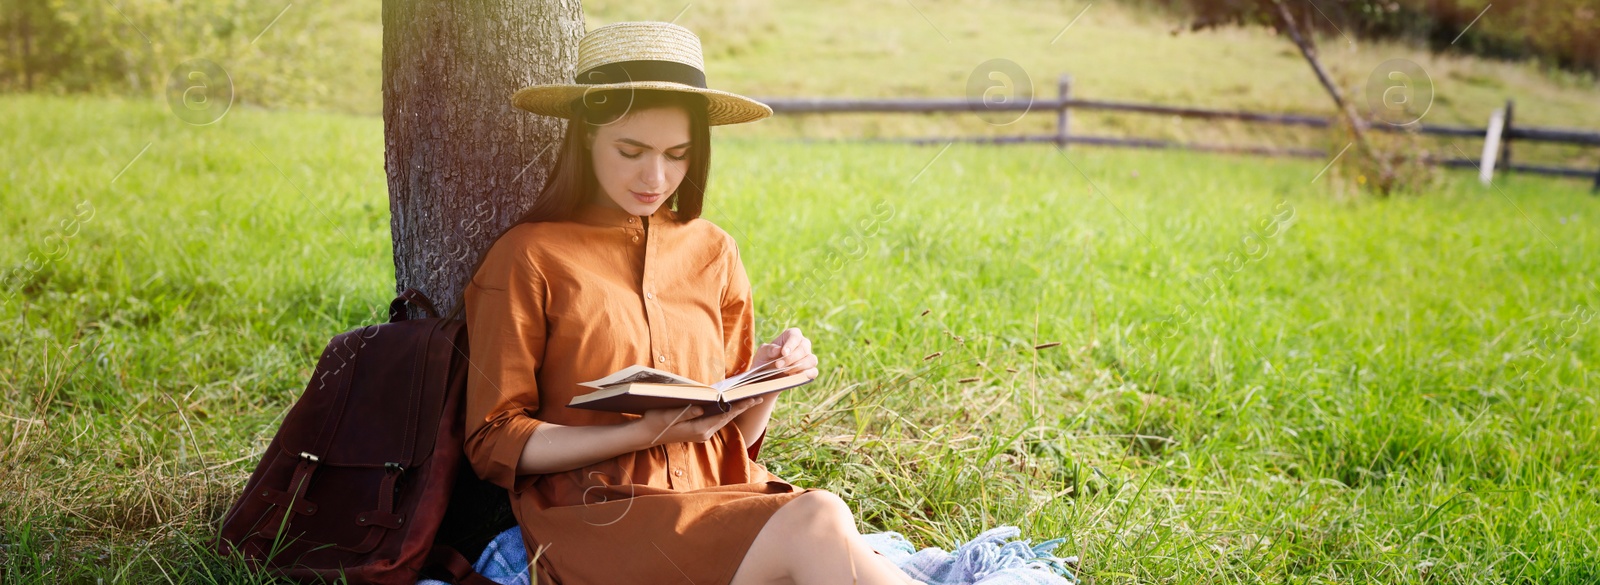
point(272, 52)
point(1564, 33)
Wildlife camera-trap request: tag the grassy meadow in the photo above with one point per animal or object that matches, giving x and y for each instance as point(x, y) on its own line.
point(1197, 369)
point(322, 55)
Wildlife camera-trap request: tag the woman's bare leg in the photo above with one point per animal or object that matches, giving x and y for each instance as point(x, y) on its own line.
point(813, 540)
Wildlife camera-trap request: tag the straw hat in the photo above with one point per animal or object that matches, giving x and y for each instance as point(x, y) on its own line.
point(640, 55)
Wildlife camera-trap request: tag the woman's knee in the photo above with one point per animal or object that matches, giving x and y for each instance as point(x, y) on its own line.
point(795, 535)
point(820, 510)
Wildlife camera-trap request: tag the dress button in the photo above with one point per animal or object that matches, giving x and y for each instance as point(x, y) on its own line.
point(636, 238)
point(661, 358)
point(678, 472)
point(630, 220)
point(649, 295)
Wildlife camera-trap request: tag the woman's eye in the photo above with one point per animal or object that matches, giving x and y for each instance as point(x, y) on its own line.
point(626, 154)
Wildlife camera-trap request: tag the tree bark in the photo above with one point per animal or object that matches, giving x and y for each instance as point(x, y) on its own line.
point(462, 163)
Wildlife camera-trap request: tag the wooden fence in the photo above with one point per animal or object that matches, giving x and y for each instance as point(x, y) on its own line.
point(1500, 160)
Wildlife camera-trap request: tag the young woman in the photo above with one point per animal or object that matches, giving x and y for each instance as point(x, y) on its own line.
point(613, 267)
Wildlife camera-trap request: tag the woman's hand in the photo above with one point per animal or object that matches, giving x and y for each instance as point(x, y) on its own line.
point(685, 424)
point(792, 352)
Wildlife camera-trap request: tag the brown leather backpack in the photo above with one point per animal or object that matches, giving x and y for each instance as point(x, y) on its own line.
point(358, 478)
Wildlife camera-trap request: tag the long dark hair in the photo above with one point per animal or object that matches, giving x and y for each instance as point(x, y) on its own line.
point(572, 180)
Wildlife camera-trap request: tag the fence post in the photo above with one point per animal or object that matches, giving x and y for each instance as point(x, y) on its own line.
point(1063, 116)
point(1491, 146)
point(1596, 189)
point(1505, 140)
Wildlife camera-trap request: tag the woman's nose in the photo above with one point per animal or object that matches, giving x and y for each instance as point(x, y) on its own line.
point(654, 175)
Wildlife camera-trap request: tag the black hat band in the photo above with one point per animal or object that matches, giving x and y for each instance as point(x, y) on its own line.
point(644, 70)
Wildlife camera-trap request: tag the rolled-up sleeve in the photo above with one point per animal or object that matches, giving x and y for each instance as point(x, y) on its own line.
point(505, 313)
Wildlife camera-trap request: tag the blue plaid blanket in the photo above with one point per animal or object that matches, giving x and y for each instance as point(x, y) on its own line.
point(985, 560)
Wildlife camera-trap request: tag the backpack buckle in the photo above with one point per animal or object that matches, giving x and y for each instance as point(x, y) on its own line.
point(393, 467)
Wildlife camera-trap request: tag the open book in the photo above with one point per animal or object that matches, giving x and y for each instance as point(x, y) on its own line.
point(635, 389)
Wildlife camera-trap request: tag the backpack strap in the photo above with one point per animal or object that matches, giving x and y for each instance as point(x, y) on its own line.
point(295, 498)
point(461, 571)
point(384, 514)
point(397, 307)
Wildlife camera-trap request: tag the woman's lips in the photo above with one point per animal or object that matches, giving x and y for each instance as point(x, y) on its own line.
point(644, 198)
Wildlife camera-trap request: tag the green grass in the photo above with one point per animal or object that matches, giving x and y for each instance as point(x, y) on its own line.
point(1390, 390)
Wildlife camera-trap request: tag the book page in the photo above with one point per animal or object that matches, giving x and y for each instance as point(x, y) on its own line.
point(638, 373)
point(748, 376)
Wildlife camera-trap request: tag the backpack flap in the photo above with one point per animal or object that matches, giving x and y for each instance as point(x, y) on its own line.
point(354, 462)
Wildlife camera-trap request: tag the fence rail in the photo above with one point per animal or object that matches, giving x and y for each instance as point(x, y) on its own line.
point(1064, 105)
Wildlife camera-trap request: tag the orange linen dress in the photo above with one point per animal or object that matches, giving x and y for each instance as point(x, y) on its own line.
point(557, 303)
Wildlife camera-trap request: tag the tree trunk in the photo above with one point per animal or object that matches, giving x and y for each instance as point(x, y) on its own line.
point(1358, 125)
point(462, 162)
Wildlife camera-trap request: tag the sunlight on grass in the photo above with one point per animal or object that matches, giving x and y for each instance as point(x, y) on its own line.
point(1085, 345)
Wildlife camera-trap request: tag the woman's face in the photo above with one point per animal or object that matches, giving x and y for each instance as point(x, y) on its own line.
point(640, 159)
